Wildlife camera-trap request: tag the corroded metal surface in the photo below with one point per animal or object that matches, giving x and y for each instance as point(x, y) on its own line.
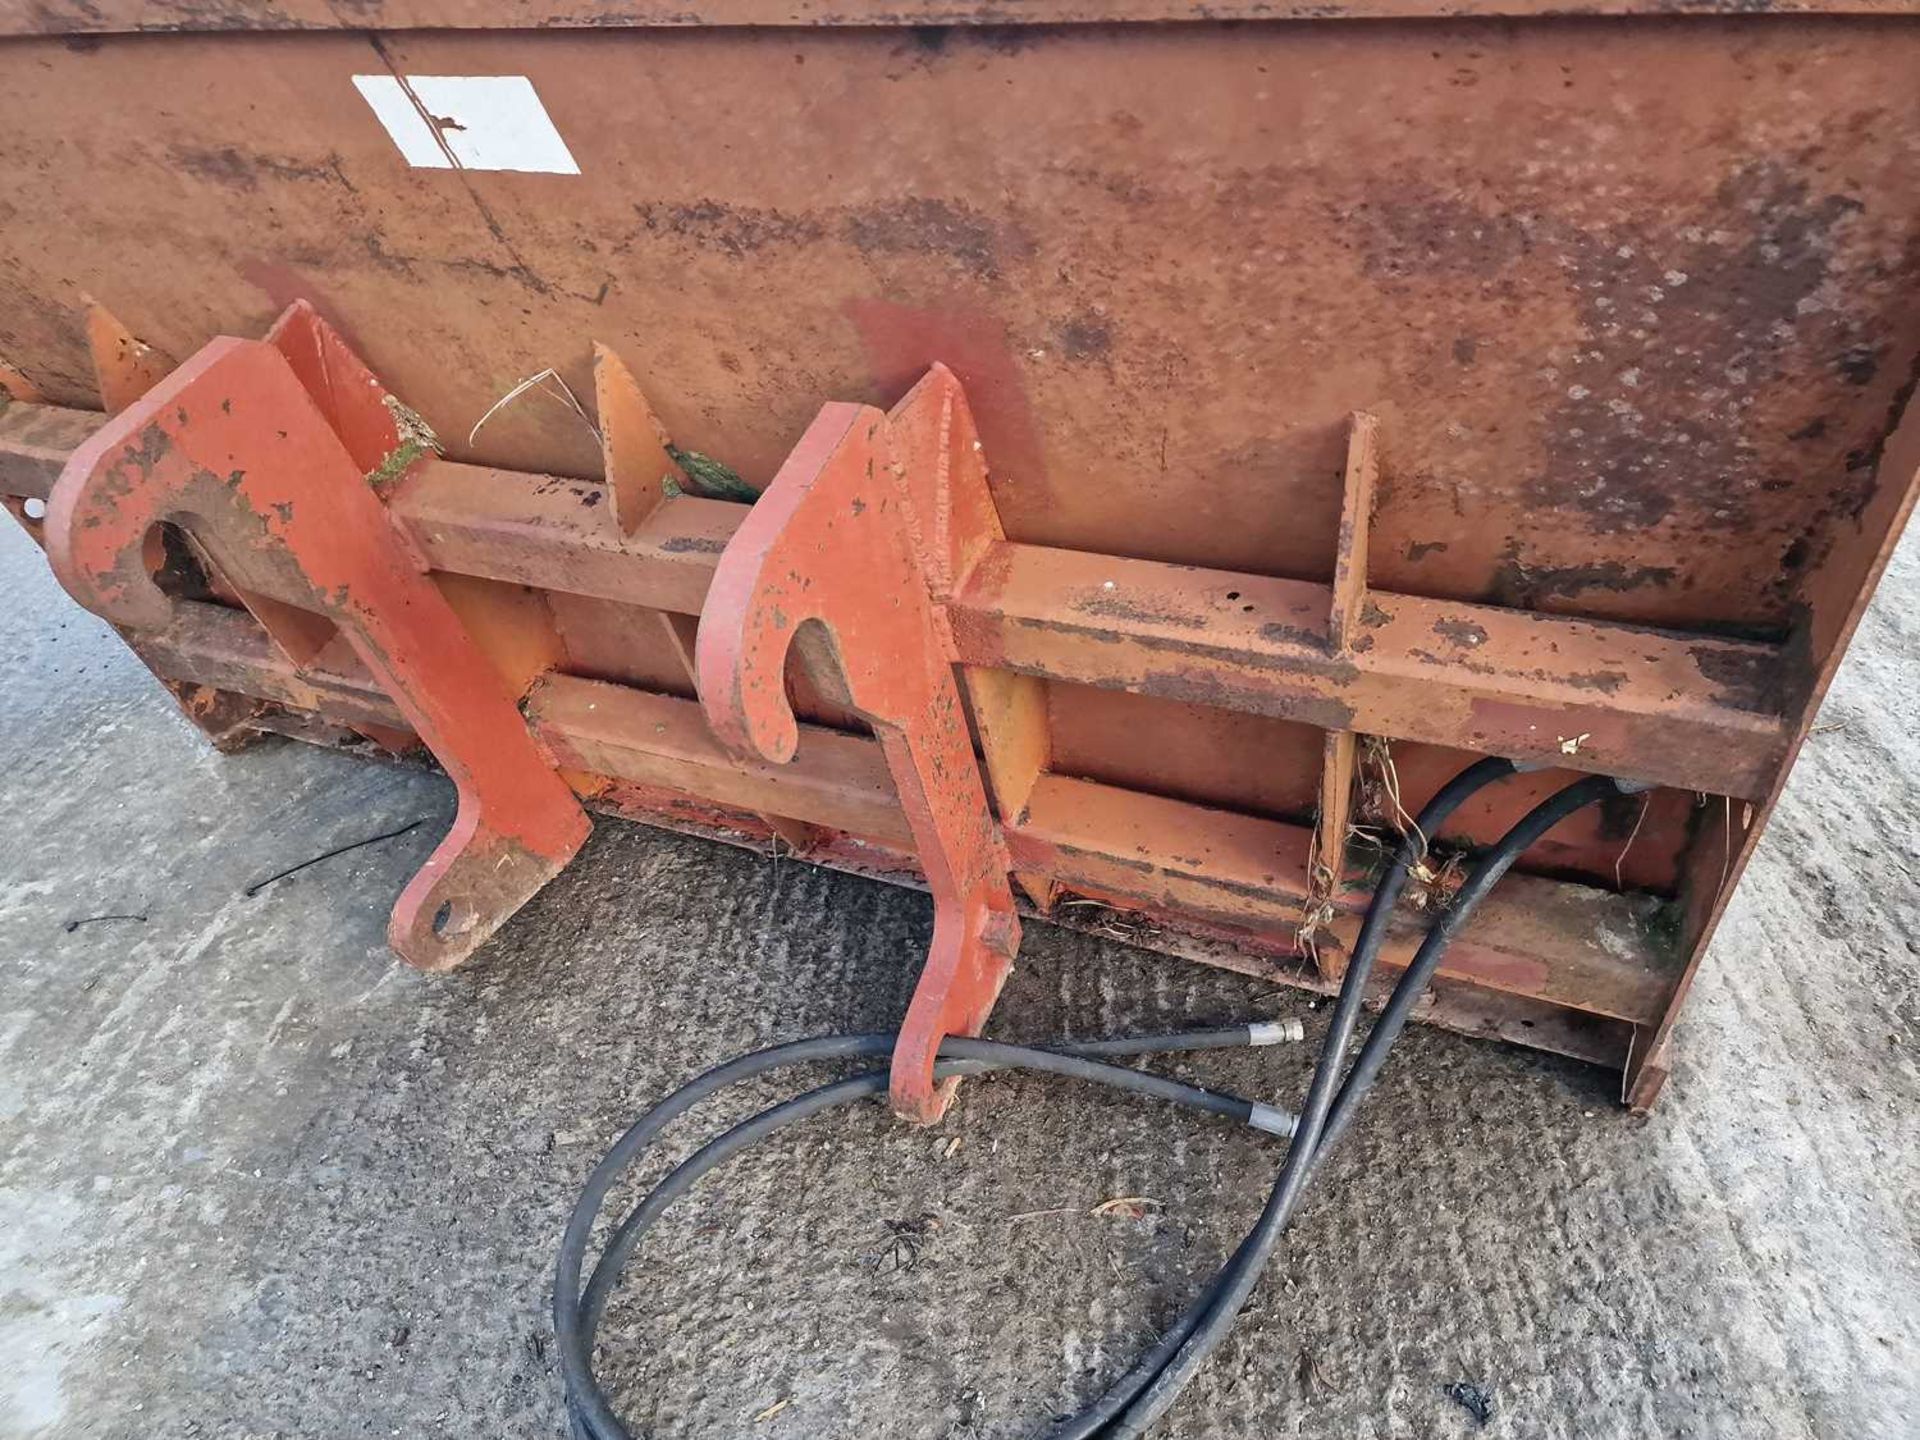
point(231, 448)
point(1216, 881)
point(1695, 710)
point(1636, 304)
point(1634, 323)
point(835, 560)
point(1206, 871)
point(97, 16)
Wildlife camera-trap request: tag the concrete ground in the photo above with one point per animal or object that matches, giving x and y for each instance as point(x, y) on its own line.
point(256, 1179)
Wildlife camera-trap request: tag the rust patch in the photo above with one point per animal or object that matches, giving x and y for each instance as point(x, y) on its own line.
point(1454, 662)
point(1084, 337)
point(1747, 679)
point(1460, 632)
point(1859, 364)
point(1411, 229)
point(1102, 857)
point(1646, 426)
point(1524, 586)
point(1203, 688)
point(736, 231)
point(928, 42)
point(1281, 633)
point(1688, 326)
point(239, 169)
point(1620, 815)
point(693, 545)
point(1605, 681)
point(1863, 465)
point(1117, 607)
point(924, 225)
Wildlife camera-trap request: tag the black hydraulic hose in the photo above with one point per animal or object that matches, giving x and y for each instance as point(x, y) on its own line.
point(1419, 974)
point(576, 1315)
point(957, 1057)
point(1312, 1137)
point(567, 1314)
point(1137, 1401)
point(1246, 1262)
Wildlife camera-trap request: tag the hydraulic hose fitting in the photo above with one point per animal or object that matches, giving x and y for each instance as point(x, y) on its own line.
point(1276, 1032)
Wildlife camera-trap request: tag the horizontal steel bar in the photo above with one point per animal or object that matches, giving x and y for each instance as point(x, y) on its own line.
point(1694, 712)
point(35, 441)
point(52, 17)
point(211, 645)
point(1690, 711)
point(1570, 945)
point(1566, 945)
point(664, 741)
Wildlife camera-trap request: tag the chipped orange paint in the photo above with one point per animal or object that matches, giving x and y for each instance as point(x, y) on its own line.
point(1168, 261)
point(231, 448)
point(831, 560)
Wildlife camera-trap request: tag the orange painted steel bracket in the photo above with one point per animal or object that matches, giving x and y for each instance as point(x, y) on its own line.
point(262, 451)
point(840, 558)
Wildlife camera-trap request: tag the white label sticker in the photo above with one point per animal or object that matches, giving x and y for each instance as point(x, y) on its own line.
point(468, 122)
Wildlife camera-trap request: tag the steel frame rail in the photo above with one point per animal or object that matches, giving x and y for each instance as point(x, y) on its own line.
point(342, 601)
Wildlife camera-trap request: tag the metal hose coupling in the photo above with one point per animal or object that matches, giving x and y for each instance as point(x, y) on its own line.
point(1276, 1032)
